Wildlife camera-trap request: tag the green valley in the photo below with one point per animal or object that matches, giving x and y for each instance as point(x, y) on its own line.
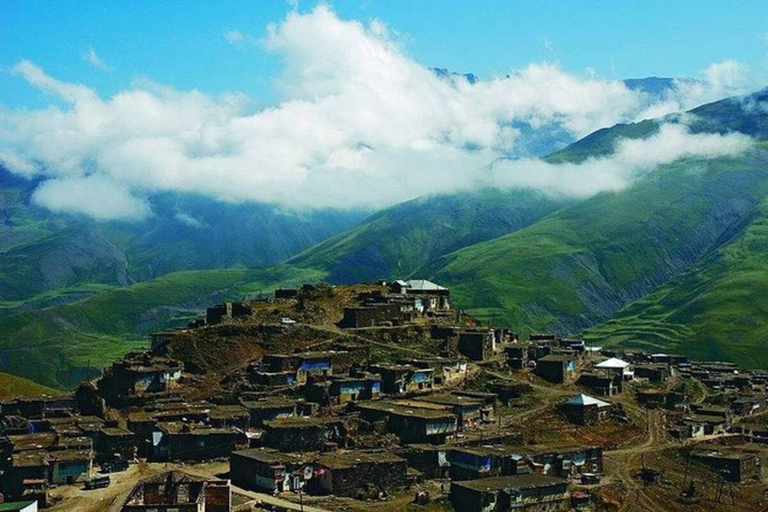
point(59, 346)
point(580, 265)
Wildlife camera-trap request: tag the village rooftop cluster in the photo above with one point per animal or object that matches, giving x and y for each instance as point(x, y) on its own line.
point(371, 392)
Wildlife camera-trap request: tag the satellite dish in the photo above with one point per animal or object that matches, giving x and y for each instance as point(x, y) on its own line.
point(308, 473)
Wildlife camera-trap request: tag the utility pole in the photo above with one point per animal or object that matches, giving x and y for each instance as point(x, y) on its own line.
point(301, 497)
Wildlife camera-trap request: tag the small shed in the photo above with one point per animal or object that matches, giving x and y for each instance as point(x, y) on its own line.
point(586, 410)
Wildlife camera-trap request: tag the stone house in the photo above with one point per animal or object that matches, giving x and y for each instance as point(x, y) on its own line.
point(412, 424)
point(565, 461)
point(434, 296)
point(601, 382)
point(227, 311)
point(586, 410)
point(182, 441)
point(69, 466)
point(114, 440)
point(179, 492)
point(669, 359)
point(468, 410)
point(654, 372)
point(359, 474)
point(429, 459)
point(38, 407)
point(398, 379)
point(271, 409)
point(556, 368)
point(476, 344)
point(699, 425)
point(530, 492)
point(301, 365)
point(733, 466)
point(618, 366)
point(372, 315)
point(304, 434)
point(469, 463)
point(228, 416)
point(45, 457)
point(140, 373)
point(517, 355)
point(267, 470)
point(341, 389)
point(445, 369)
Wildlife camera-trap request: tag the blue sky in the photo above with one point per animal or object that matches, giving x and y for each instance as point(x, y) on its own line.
point(336, 105)
point(182, 44)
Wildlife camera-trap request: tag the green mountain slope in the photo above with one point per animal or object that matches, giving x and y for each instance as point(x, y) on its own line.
point(48, 259)
point(579, 266)
point(399, 241)
point(690, 234)
point(75, 254)
point(743, 114)
point(715, 310)
point(59, 346)
point(12, 386)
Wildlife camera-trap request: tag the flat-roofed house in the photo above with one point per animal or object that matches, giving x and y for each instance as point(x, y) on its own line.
point(530, 492)
point(412, 424)
point(354, 473)
point(586, 410)
point(176, 491)
point(267, 469)
point(556, 368)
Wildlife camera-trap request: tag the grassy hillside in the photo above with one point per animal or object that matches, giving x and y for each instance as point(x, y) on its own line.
point(743, 114)
point(399, 241)
point(715, 310)
point(73, 255)
point(46, 259)
point(60, 345)
point(581, 265)
point(12, 386)
point(695, 228)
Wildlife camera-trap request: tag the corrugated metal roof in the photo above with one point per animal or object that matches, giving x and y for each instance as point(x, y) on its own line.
point(423, 285)
point(613, 362)
point(583, 399)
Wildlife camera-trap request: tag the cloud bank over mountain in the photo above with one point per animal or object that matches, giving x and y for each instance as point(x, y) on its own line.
point(360, 123)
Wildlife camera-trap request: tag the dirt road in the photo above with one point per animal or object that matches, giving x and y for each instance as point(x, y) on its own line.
point(622, 465)
point(71, 498)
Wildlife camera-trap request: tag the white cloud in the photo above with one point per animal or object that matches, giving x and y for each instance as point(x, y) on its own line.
point(630, 159)
point(91, 57)
point(95, 196)
point(233, 36)
point(189, 220)
point(17, 163)
point(361, 123)
point(722, 79)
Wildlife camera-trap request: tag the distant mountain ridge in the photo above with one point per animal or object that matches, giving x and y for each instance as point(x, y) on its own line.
point(677, 261)
point(46, 258)
point(675, 242)
point(402, 240)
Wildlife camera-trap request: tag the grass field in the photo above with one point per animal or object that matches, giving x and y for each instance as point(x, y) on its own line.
point(12, 386)
point(59, 346)
point(580, 266)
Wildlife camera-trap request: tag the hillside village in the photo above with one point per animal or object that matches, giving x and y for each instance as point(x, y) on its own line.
point(383, 397)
